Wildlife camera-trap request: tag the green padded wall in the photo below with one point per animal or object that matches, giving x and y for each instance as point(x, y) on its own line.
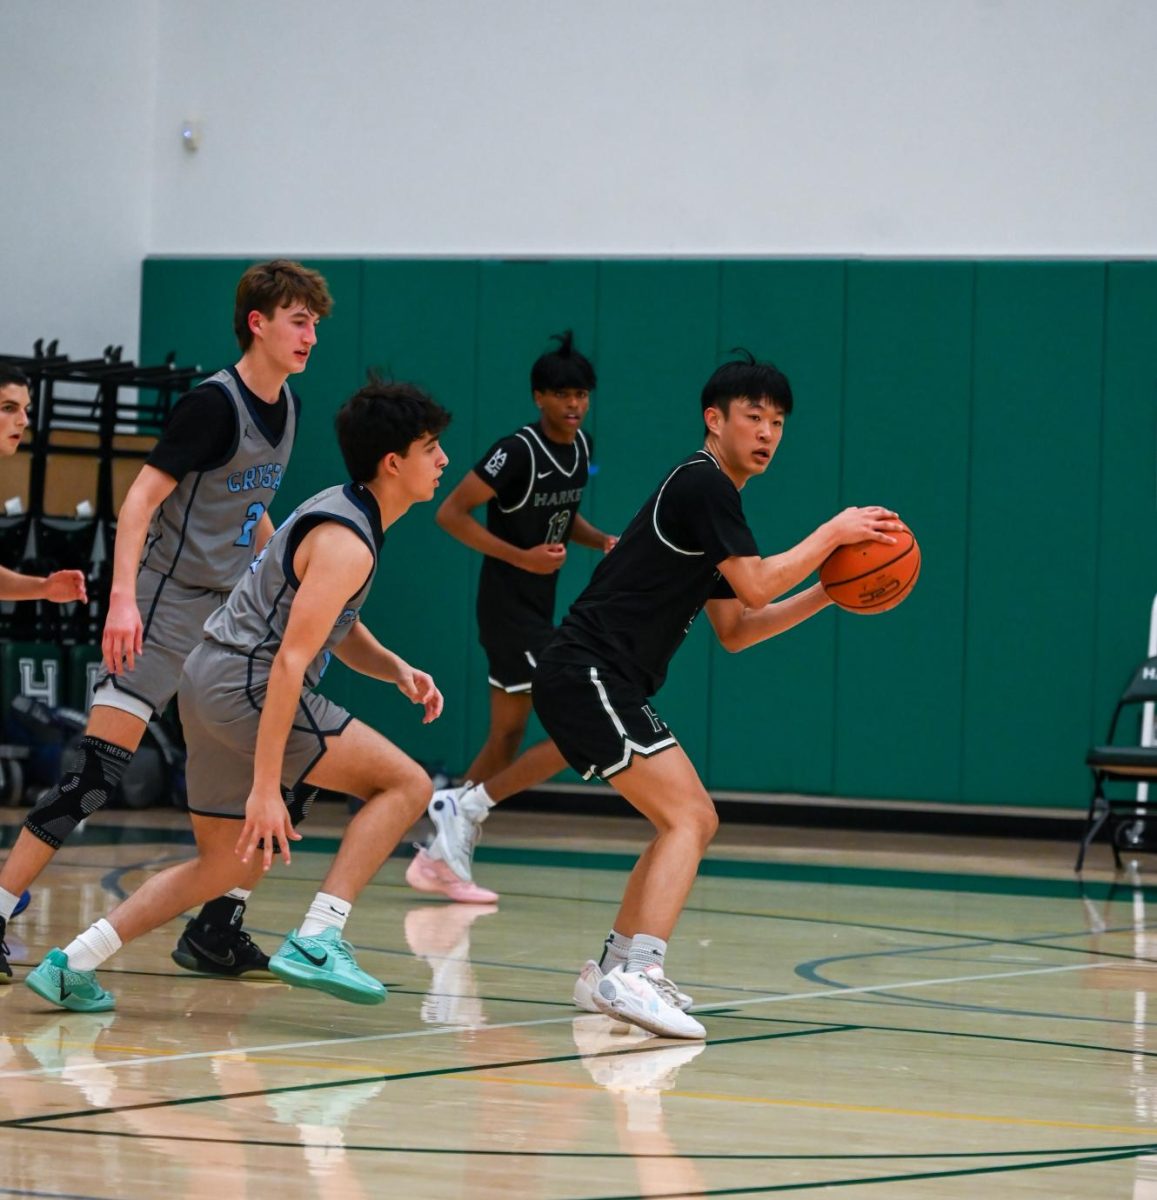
point(1005, 408)
point(771, 706)
point(905, 445)
point(1032, 547)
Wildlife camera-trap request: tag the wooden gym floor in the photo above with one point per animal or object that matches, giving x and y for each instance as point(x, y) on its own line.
point(888, 1015)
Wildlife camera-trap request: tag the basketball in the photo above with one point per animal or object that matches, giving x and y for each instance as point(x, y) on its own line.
point(872, 577)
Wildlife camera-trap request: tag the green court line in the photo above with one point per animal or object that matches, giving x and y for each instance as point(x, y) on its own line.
point(717, 868)
point(812, 1185)
point(395, 1077)
point(601, 1155)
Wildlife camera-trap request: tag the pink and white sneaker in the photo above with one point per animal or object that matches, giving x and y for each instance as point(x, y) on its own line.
point(426, 874)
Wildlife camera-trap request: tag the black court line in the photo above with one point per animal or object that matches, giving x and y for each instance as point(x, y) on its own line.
point(735, 1015)
point(594, 1155)
point(395, 1077)
point(812, 1185)
point(4, 1191)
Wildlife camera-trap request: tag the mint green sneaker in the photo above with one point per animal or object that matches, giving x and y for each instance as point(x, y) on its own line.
point(66, 988)
point(327, 963)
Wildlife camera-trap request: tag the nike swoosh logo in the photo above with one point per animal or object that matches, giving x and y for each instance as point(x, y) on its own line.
point(222, 960)
point(317, 962)
point(544, 474)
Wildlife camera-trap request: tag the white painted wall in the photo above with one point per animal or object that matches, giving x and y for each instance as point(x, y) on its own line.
point(537, 127)
point(77, 103)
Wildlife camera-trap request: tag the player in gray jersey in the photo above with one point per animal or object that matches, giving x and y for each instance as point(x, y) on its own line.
point(191, 522)
point(255, 725)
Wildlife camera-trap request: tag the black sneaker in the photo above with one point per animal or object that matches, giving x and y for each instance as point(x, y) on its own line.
point(5, 969)
point(213, 950)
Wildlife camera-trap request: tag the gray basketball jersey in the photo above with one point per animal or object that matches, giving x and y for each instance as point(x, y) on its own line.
point(202, 534)
point(252, 621)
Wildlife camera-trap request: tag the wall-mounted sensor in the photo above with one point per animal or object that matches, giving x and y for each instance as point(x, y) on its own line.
point(191, 135)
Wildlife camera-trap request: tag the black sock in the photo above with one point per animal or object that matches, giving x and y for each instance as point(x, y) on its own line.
point(223, 913)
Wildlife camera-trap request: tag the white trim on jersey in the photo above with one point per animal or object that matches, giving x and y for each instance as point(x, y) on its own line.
point(530, 481)
point(655, 511)
point(546, 450)
point(629, 747)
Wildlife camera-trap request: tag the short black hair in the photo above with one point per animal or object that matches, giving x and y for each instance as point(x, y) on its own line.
point(13, 375)
point(384, 417)
point(745, 377)
point(563, 368)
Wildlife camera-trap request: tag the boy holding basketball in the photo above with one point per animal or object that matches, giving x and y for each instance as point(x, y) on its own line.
point(687, 548)
point(189, 526)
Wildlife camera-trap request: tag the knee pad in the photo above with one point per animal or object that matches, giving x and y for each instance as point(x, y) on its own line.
point(91, 771)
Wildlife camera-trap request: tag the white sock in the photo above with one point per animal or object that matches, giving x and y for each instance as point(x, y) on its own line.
point(98, 943)
point(616, 950)
point(645, 951)
point(239, 893)
point(8, 903)
point(475, 802)
point(326, 912)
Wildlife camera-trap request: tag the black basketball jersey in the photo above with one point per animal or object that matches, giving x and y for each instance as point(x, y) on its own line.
point(538, 486)
point(643, 596)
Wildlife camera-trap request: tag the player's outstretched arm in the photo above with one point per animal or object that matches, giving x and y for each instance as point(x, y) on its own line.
point(362, 652)
point(738, 627)
point(123, 630)
point(61, 587)
point(758, 581)
point(331, 564)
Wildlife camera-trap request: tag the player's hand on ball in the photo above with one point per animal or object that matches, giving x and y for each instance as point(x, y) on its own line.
point(544, 559)
point(870, 524)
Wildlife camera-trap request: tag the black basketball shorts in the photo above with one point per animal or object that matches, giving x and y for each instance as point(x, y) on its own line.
point(511, 660)
point(597, 719)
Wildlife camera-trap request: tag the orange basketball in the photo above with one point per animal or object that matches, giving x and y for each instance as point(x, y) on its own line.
point(872, 577)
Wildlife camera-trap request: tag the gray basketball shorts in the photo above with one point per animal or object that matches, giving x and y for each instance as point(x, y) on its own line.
point(174, 616)
point(220, 698)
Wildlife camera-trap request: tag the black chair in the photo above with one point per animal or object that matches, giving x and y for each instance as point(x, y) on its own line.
point(1113, 763)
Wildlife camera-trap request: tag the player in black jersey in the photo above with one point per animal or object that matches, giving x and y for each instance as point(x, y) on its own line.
point(687, 548)
point(188, 527)
point(532, 483)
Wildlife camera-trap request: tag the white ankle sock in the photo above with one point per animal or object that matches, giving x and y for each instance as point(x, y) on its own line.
point(326, 912)
point(616, 951)
point(239, 893)
point(8, 903)
point(98, 943)
point(645, 951)
point(476, 803)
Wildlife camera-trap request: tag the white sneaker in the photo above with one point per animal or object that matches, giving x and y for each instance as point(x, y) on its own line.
point(457, 831)
point(589, 978)
point(639, 998)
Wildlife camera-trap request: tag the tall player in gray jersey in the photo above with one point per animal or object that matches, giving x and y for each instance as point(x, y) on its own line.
point(190, 524)
point(255, 726)
point(532, 483)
